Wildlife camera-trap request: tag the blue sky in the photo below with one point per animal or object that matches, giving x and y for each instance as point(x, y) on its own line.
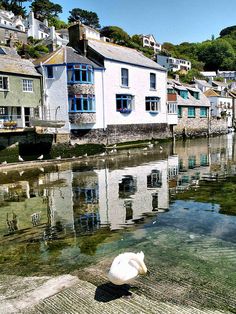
point(174, 21)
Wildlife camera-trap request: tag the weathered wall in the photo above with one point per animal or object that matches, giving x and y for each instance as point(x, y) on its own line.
point(122, 133)
point(199, 126)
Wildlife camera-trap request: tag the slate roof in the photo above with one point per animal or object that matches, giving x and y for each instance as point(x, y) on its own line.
point(191, 101)
point(203, 83)
point(11, 62)
point(64, 55)
point(118, 53)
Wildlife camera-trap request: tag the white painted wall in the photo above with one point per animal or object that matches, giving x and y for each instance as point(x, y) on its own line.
point(111, 206)
point(57, 95)
point(139, 87)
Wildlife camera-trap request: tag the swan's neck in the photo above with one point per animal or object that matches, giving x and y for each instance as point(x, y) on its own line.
point(142, 269)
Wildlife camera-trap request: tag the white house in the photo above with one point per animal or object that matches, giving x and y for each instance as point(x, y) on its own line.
point(104, 92)
point(221, 106)
point(203, 85)
point(63, 98)
point(150, 42)
point(11, 28)
point(173, 64)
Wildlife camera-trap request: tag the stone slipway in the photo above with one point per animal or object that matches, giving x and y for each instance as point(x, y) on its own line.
point(67, 294)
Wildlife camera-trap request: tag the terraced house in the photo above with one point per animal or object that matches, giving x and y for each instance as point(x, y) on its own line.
point(193, 108)
point(20, 91)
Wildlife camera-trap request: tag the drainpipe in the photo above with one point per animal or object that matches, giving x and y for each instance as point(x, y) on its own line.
point(44, 95)
point(103, 102)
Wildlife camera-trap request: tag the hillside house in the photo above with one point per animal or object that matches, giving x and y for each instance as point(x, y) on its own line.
point(11, 28)
point(173, 64)
point(150, 42)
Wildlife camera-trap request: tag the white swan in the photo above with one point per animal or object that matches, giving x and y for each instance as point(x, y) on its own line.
point(126, 267)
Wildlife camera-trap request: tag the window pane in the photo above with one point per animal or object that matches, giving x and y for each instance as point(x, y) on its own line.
point(77, 75)
point(50, 71)
point(152, 80)
point(70, 75)
point(124, 77)
point(78, 104)
point(84, 76)
point(85, 104)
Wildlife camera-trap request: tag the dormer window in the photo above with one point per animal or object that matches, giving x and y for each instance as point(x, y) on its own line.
point(183, 94)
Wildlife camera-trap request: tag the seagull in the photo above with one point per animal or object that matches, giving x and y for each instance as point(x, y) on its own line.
point(40, 157)
point(150, 145)
point(73, 157)
point(21, 173)
point(161, 148)
point(103, 154)
point(4, 162)
point(20, 158)
point(145, 148)
point(59, 157)
point(85, 155)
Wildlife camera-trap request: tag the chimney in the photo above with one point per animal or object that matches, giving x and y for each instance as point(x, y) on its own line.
point(77, 38)
point(176, 77)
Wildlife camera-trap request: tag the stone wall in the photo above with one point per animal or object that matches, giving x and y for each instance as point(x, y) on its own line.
point(122, 133)
point(199, 126)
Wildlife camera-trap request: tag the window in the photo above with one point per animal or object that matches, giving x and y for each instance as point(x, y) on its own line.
point(154, 180)
point(152, 81)
point(152, 104)
point(3, 112)
point(124, 77)
point(179, 112)
point(191, 162)
point(27, 85)
point(82, 103)
point(203, 112)
point(172, 108)
point(80, 73)
point(183, 94)
point(124, 103)
point(18, 112)
point(191, 112)
point(203, 160)
point(4, 83)
point(50, 71)
point(127, 186)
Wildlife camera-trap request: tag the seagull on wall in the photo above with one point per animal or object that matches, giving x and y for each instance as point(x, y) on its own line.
point(4, 162)
point(20, 158)
point(40, 157)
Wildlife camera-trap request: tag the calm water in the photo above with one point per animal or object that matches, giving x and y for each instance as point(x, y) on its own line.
point(178, 207)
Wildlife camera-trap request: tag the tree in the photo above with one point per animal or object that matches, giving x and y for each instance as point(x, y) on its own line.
point(88, 18)
point(227, 30)
point(58, 24)
point(117, 34)
point(217, 54)
point(45, 9)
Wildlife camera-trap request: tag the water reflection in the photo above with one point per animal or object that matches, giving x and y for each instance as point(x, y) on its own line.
point(71, 200)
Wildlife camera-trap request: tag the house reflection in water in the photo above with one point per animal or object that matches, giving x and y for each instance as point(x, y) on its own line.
point(71, 201)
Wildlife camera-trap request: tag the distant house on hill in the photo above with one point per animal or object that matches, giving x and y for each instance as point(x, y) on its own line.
point(150, 42)
point(11, 28)
point(173, 64)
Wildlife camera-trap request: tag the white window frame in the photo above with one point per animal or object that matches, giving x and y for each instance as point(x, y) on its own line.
point(27, 85)
point(172, 108)
point(2, 77)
